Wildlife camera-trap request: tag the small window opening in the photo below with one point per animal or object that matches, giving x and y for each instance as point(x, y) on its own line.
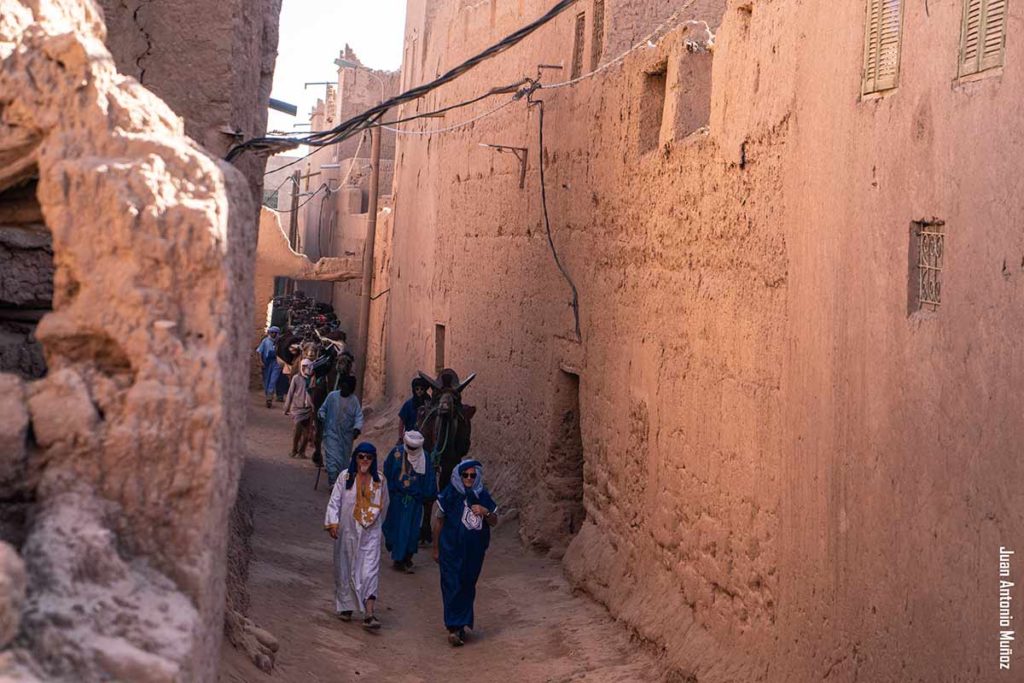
point(577, 44)
point(652, 108)
point(927, 256)
point(597, 35)
point(692, 96)
point(438, 349)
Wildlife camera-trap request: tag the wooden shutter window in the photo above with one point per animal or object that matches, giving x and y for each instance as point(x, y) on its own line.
point(882, 45)
point(597, 42)
point(577, 45)
point(983, 37)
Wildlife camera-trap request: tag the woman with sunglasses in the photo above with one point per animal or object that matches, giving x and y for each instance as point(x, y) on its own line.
point(463, 518)
point(358, 507)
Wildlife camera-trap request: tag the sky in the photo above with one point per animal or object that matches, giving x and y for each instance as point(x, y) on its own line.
point(313, 32)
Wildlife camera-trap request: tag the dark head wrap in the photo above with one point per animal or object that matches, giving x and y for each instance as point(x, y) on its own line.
point(353, 466)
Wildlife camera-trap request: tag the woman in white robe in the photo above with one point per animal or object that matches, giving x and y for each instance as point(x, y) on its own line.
point(355, 517)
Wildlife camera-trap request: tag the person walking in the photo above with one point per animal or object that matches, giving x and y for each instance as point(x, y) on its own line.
point(299, 405)
point(289, 350)
point(411, 481)
point(342, 420)
point(408, 414)
point(463, 517)
point(358, 506)
point(267, 351)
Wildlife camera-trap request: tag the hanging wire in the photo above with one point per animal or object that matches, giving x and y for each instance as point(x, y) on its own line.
point(292, 163)
point(547, 219)
point(351, 165)
point(372, 115)
point(307, 200)
point(452, 127)
point(647, 41)
point(320, 224)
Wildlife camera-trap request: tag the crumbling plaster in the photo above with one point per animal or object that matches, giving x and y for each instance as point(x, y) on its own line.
point(211, 62)
point(127, 453)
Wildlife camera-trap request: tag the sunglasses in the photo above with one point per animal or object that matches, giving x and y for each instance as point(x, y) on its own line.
point(469, 475)
point(364, 456)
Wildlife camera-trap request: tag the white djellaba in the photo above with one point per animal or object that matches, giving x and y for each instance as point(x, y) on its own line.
point(358, 546)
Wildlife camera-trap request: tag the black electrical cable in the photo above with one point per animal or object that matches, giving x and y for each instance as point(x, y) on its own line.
point(512, 87)
point(502, 90)
point(302, 203)
point(372, 115)
point(547, 220)
point(292, 163)
point(320, 225)
point(281, 184)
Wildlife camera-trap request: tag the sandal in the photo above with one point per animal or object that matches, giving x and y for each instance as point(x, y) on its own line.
point(346, 615)
point(456, 639)
point(371, 623)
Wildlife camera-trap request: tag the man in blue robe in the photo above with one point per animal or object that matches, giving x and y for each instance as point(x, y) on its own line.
point(342, 418)
point(462, 524)
point(411, 481)
point(408, 415)
point(267, 351)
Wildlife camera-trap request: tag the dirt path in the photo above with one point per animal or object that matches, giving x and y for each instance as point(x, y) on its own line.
point(529, 626)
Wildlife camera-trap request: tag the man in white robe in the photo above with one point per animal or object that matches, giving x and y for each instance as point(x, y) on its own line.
point(355, 517)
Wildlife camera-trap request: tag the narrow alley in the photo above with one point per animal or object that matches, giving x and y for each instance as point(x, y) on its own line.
point(530, 625)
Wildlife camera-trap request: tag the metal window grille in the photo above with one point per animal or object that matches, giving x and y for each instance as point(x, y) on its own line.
point(597, 41)
point(930, 252)
point(577, 45)
point(882, 32)
point(983, 36)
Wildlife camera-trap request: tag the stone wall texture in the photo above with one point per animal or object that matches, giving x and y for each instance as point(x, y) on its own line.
point(211, 62)
point(119, 467)
point(785, 476)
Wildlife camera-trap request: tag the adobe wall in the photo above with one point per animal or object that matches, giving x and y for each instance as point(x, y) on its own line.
point(120, 466)
point(335, 226)
point(785, 476)
point(212, 63)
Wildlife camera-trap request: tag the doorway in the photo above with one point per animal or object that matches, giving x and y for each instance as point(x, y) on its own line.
point(564, 464)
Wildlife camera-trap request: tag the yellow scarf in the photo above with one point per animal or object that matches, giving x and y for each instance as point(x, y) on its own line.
point(367, 507)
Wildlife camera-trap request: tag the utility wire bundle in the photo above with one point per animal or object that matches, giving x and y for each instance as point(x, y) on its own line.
point(372, 116)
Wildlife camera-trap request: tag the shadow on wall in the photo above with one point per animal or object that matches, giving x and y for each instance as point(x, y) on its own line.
point(26, 278)
point(551, 524)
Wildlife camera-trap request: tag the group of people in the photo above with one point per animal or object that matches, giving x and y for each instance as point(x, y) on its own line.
point(376, 507)
point(317, 394)
point(372, 506)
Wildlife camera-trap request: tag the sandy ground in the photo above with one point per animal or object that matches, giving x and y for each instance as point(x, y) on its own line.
point(530, 627)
